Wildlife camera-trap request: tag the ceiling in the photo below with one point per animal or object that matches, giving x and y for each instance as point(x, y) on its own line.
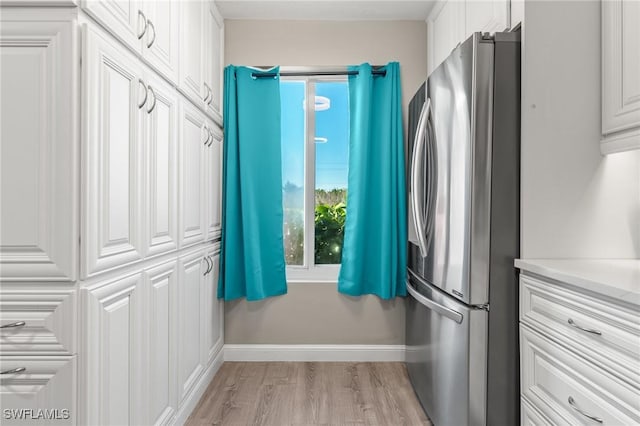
point(329, 10)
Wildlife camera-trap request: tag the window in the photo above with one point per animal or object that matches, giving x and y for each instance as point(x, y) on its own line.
point(315, 153)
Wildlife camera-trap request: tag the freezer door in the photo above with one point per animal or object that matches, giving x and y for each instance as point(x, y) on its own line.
point(451, 243)
point(446, 355)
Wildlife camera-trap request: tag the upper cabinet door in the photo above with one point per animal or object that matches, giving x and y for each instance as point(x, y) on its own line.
point(114, 100)
point(161, 40)
point(214, 42)
point(194, 136)
point(192, 48)
point(124, 18)
point(161, 149)
point(214, 184)
point(39, 168)
point(486, 16)
point(620, 75)
point(445, 29)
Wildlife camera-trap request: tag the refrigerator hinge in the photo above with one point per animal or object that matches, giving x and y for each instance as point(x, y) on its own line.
point(484, 307)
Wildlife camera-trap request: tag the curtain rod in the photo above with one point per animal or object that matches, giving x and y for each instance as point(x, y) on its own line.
point(311, 71)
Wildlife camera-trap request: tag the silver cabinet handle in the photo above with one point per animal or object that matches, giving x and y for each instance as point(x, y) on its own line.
point(154, 33)
point(207, 90)
point(153, 105)
point(211, 135)
point(212, 264)
point(211, 97)
point(588, 330)
point(208, 133)
point(206, 259)
point(14, 324)
point(146, 24)
point(14, 370)
point(572, 403)
point(146, 94)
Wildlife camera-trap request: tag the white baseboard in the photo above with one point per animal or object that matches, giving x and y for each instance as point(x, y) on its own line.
point(192, 400)
point(352, 353)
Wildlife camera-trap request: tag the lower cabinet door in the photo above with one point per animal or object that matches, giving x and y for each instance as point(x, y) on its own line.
point(192, 268)
point(213, 310)
point(42, 390)
point(569, 390)
point(112, 392)
point(161, 331)
point(530, 416)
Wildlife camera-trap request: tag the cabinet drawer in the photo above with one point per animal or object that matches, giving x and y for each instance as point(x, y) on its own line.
point(552, 376)
point(563, 315)
point(44, 393)
point(531, 416)
point(49, 322)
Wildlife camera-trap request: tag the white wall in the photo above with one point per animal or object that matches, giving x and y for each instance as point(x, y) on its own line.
point(575, 202)
point(316, 313)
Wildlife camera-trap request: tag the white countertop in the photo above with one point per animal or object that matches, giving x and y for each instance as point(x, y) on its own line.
point(619, 279)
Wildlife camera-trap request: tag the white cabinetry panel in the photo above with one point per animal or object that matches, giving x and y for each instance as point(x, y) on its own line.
point(194, 135)
point(214, 46)
point(620, 75)
point(44, 393)
point(113, 102)
point(161, 218)
point(192, 43)
point(49, 318)
point(39, 168)
point(162, 334)
point(113, 360)
point(212, 309)
point(445, 29)
point(124, 18)
point(190, 317)
point(486, 16)
point(161, 40)
point(214, 184)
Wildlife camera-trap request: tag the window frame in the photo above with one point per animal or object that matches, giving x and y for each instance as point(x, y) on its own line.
point(309, 271)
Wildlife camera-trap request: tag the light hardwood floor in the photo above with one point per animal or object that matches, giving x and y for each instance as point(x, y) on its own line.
point(309, 393)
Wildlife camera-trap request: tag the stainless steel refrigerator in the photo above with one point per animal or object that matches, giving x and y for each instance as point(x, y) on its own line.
point(463, 175)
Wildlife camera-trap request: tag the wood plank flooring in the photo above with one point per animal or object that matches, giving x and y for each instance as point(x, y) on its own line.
point(309, 393)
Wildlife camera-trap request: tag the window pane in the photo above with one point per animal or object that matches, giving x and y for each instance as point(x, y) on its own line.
point(332, 156)
point(293, 119)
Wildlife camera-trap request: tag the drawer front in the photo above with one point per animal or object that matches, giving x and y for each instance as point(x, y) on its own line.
point(552, 376)
point(563, 314)
point(44, 393)
point(49, 322)
point(531, 416)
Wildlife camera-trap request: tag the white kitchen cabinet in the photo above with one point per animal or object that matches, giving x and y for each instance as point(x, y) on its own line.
point(113, 348)
point(445, 29)
point(212, 332)
point(39, 143)
point(160, 42)
point(213, 170)
point(43, 393)
point(124, 18)
point(114, 102)
point(38, 320)
point(161, 320)
point(192, 44)
point(161, 148)
point(620, 75)
point(486, 16)
point(190, 347)
point(194, 137)
point(213, 54)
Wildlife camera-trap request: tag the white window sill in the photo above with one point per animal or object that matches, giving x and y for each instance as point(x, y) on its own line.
point(315, 274)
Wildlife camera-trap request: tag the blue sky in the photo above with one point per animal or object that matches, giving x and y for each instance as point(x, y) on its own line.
point(332, 124)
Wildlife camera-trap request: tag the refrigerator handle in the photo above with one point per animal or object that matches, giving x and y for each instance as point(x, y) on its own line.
point(432, 176)
point(436, 307)
point(416, 187)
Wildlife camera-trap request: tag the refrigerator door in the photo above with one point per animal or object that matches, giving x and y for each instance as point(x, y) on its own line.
point(454, 253)
point(446, 355)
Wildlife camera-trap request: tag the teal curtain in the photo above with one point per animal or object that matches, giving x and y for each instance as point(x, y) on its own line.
point(252, 263)
point(374, 252)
